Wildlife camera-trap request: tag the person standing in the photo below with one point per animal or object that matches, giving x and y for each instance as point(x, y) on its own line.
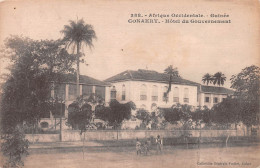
point(159, 144)
point(138, 147)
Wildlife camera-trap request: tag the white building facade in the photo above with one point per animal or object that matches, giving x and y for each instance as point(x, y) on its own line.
point(146, 89)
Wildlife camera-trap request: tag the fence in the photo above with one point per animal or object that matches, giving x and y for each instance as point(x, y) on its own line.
point(74, 135)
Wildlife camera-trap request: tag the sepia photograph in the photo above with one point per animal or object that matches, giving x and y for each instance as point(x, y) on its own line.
point(129, 84)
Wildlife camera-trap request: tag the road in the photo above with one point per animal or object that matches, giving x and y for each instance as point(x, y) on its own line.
point(125, 157)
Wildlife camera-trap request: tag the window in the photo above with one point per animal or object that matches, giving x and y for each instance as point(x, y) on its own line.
point(176, 95)
point(60, 91)
point(87, 90)
point(165, 95)
point(123, 92)
point(207, 99)
point(223, 99)
point(143, 93)
point(154, 93)
point(113, 93)
point(72, 92)
point(100, 91)
point(215, 100)
point(186, 95)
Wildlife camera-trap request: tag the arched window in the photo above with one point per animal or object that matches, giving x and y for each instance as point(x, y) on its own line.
point(154, 93)
point(165, 96)
point(176, 94)
point(123, 92)
point(186, 95)
point(143, 93)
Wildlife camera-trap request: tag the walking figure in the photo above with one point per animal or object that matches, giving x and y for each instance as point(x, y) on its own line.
point(159, 144)
point(138, 147)
point(145, 148)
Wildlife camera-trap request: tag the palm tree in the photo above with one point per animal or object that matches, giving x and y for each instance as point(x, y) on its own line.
point(76, 34)
point(207, 78)
point(172, 72)
point(219, 78)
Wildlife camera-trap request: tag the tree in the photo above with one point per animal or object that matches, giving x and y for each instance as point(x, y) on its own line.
point(35, 65)
point(171, 115)
point(15, 147)
point(219, 78)
point(77, 34)
point(155, 121)
point(172, 72)
point(202, 115)
point(25, 98)
point(116, 113)
point(227, 112)
point(246, 85)
point(80, 117)
point(207, 78)
point(178, 113)
point(144, 116)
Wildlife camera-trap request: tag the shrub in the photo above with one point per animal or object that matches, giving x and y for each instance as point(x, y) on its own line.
point(14, 148)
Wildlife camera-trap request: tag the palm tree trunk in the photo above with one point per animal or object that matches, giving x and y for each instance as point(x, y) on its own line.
point(78, 93)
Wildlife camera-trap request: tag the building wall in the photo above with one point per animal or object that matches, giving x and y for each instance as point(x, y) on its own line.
point(68, 93)
point(133, 91)
point(211, 96)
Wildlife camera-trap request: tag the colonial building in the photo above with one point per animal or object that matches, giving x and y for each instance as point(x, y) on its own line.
point(211, 95)
point(146, 88)
point(66, 92)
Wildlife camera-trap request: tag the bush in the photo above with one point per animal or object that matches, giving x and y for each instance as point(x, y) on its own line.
point(14, 148)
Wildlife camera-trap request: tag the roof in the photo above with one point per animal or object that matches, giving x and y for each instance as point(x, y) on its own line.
point(214, 89)
point(148, 75)
point(71, 78)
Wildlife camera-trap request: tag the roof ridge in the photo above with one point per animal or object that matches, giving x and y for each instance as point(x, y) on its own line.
point(130, 74)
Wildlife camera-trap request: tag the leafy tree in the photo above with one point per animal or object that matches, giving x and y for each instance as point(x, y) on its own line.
point(207, 78)
point(202, 115)
point(15, 147)
point(246, 85)
point(144, 116)
point(116, 113)
point(76, 34)
point(227, 112)
point(171, 115)
point(80, 115)
point(219, 78)
point(155, 121)
point(25, 94)
point(35, 64)
point(181, 113)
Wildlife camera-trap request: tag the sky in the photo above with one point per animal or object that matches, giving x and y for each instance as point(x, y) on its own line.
point(195, 49)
